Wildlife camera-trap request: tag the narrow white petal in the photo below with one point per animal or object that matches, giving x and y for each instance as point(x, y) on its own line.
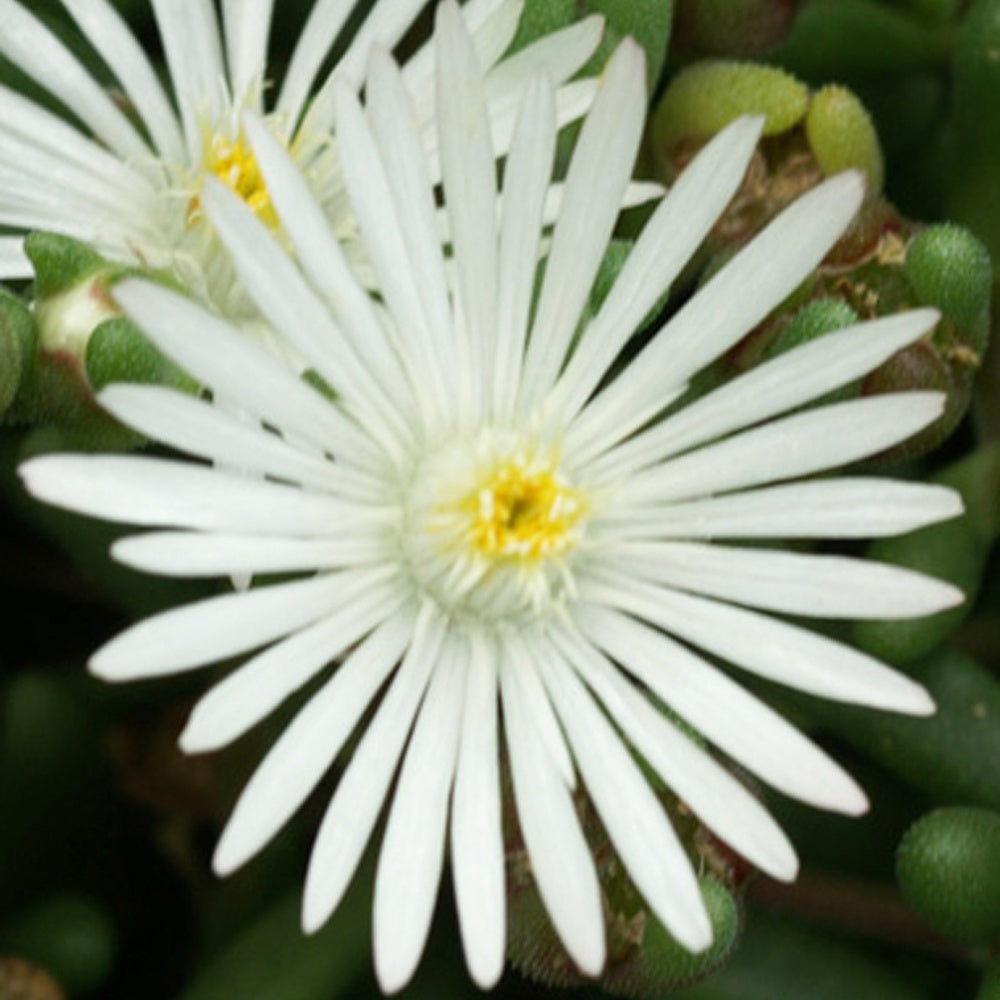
point(351, 816)
point(524, 677)
point(477, 848)
point(192, 44)
point(298, 760)
point(721, 801)
point(372, 197)
point(160, 493)
point(858, 507)
point(412, 853)
point(561, 863)
point(27, 43)
point(469, 178)
point(321, 258)
point(246, 26)
point(668, 240)
point(774, 387)
point(750, 732)
point(212, 629)
point(813, 441)
point(602, 162)
point(397, 139)
point(107, 31)
point(255, 689)
point(326, 19)
point(193, 554)
point(634, 819)
point(559, 54)
point(206, 431)
point(230, 364)
point(384, 26)
point(766, 646)
point(526, 181)
point(284, 297)
point(820, 586)
point(732, 303)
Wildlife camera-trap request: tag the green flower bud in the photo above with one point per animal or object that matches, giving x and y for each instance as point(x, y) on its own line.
point(841, 136)
point(706, 97)
point(71, 936)
point(732, 27)
point(948, 866)
point(949, 268)
point(118, 352)
point(954, 550)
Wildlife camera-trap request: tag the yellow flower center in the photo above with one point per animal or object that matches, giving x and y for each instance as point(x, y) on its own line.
point(236, 166)
point(524, 511)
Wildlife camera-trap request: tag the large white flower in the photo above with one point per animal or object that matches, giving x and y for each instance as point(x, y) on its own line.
point(129, 181)
point(490, 520)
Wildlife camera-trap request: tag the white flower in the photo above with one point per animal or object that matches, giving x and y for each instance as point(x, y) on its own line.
point(131, 184)
point(489, 516)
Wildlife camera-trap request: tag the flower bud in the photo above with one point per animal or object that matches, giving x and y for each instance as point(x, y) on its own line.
point(841, 136)
point(948, 866)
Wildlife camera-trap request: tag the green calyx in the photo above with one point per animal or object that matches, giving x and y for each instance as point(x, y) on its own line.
point(841, 136)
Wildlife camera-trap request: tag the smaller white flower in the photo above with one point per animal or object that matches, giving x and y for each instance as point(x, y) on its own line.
point(131, 185)
point(498, 539)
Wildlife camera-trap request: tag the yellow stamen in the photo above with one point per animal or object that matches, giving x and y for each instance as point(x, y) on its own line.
point(526, 512)
point(236, 166)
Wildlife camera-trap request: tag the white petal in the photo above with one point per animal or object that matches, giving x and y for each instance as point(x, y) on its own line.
point(469, 178)
point(206, 431)
point(27, 43)
point(307, 748)
point(559, 55)
point(750, 732)
point(412, 853)
point(374, 204)
point(789, 380)
point(192, 44)
point(351, 815)
point(230, 364)
point(284, 297)
point(255, 689)
point(667, 242)
point(319, 254)
point(602, 162)
point(798, 445)
point(766, 646)
point(561, 863)
point(107, 31)
point(526, 180)
point(160, 493)
point(477, 848)
point(858, 507)
point(721, 801)
point(734, 301)
point(634, 819)
point(193, 554)
point(247, 24)
point(212, 629)
point(821, 586)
